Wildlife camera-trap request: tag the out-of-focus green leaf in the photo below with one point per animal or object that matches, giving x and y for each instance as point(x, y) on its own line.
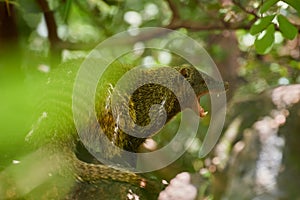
point(287, 29)
point(29, 6)
point(67, 9)
point(266, 5)
point(214, 6)
point(261, 24)
point(263, 45)
point(294, 3)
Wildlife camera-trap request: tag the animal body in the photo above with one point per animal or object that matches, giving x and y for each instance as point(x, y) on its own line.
point(56, 134)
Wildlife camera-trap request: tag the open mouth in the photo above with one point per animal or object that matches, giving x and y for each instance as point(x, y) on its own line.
point(201, 111)
point(215, 90)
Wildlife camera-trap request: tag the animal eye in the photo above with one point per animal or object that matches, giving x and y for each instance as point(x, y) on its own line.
point(184, 72)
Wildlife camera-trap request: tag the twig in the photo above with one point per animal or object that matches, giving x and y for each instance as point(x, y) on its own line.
point(52, 32)
point(238, 4)
point(175, 11)
point(50, 21)
point(7, 7)
point(195, 26)
point(177, 23)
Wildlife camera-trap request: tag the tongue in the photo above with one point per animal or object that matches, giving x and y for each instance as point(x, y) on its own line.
point(201, 111)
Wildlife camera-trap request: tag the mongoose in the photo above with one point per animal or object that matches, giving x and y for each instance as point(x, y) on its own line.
point(55, 131)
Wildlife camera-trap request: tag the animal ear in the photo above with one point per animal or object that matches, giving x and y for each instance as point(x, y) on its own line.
point(184, 72)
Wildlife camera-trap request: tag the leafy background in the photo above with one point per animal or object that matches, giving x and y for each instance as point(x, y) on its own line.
point(254, 43)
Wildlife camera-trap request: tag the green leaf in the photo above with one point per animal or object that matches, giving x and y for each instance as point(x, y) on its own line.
point(261, 24)
point(67, 9)
point(294, 3)
point(264, 44)
point(266, 5)
point(29, 6)
point(287, 29)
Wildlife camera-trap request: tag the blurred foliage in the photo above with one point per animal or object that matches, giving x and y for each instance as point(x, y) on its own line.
point(267, 33)
point(264, 27)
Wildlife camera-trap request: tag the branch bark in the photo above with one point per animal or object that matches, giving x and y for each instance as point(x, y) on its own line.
point(52, 31)
point(195, 26)
point(251, 12)
point(9, 36)
point(175, 11)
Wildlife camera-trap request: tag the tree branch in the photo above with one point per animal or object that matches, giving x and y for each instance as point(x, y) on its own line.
point(174, 24)
point(52, 30)
point(238, 4)
point(176, 21)
point(175, 11)
point(50, 21)
point(195, 26)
